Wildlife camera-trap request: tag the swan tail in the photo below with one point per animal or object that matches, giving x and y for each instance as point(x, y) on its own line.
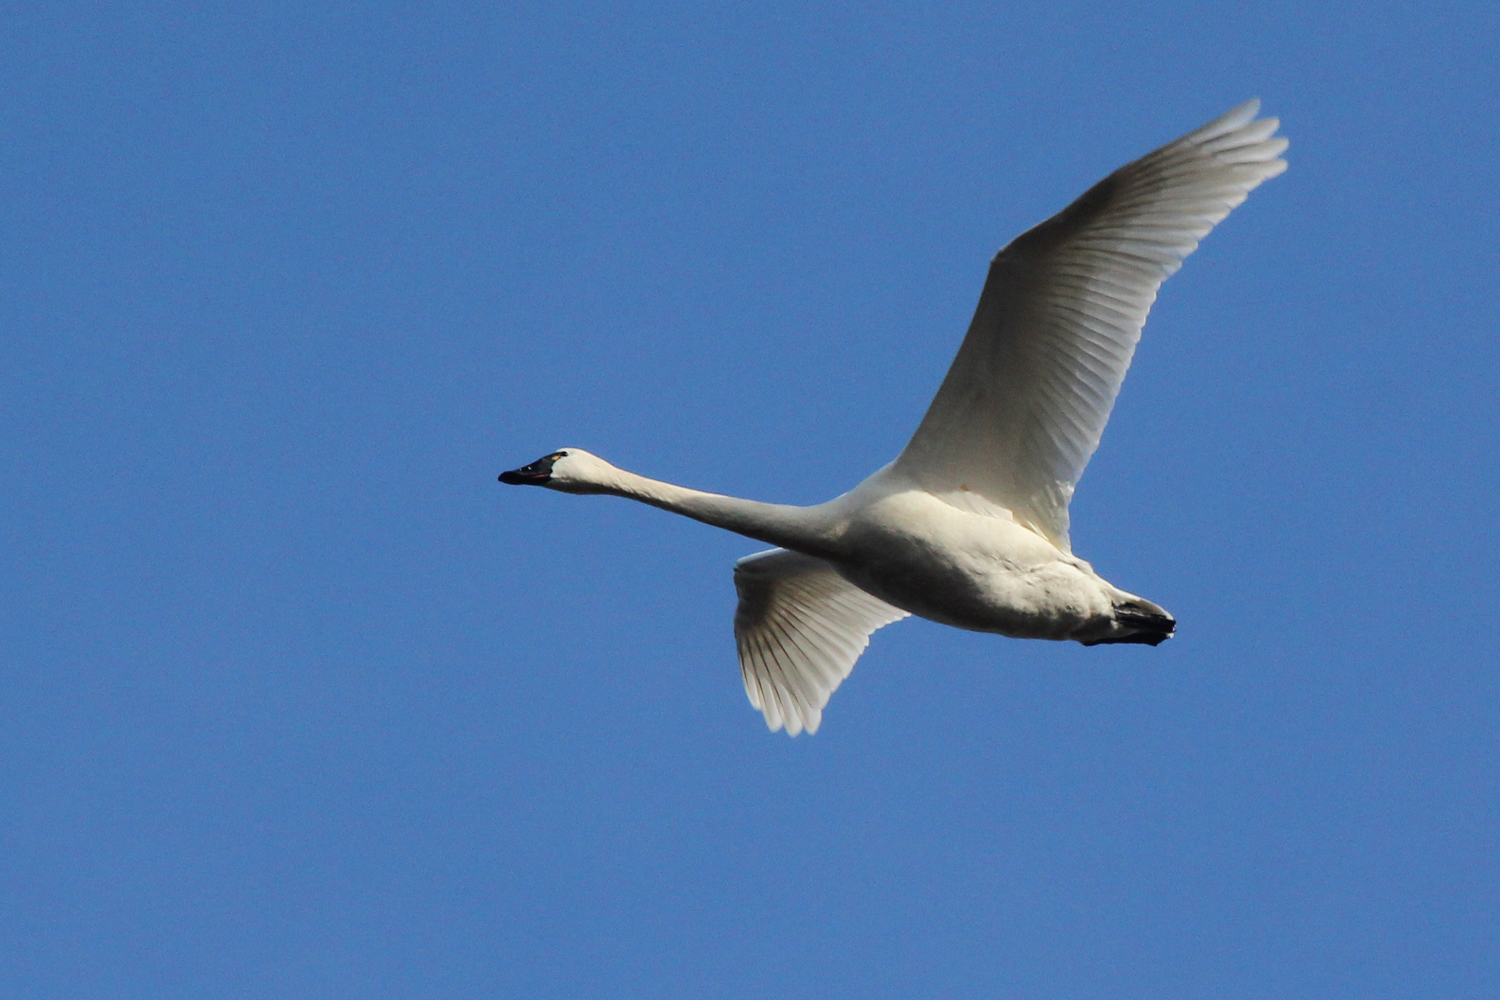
point(1139, 621)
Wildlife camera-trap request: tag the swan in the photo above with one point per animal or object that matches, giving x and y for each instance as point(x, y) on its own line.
point(969, 525)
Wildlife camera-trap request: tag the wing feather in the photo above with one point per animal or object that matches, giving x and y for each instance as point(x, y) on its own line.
point(799, 627)
point(1023, 406)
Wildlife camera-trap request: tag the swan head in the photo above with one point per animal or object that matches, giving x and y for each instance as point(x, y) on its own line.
point(569, 470)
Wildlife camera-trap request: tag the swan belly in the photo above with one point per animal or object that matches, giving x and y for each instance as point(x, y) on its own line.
point(972, 571)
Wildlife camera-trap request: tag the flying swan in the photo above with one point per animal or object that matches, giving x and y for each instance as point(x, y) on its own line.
point(969, 525)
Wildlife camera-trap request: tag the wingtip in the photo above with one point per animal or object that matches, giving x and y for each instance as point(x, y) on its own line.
point(1235, 118)
point(790, 721)
point(1238, 115)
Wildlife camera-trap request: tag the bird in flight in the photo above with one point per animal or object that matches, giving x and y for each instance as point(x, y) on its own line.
point(969, 525)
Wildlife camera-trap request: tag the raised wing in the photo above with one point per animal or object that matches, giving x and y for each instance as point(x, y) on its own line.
point(1021, 410)
point(800, 627)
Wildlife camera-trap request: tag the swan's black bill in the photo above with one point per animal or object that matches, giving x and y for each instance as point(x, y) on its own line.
point(535, 474)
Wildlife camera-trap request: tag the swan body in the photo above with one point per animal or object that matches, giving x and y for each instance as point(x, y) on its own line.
point(919, 553)
point(969, 525)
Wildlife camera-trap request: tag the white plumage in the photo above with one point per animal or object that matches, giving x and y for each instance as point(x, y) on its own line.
point(800, 627)
point(969, 525)
point(1061, 313)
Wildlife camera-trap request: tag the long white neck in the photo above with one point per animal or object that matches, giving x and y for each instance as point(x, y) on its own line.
point(792, 527)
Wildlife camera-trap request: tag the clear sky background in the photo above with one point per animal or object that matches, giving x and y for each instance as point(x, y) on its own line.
point(299, 702)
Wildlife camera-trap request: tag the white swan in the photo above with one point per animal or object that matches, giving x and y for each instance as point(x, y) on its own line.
point(969, 525)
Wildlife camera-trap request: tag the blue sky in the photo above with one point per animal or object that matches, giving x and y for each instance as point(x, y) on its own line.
point(299, 702)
